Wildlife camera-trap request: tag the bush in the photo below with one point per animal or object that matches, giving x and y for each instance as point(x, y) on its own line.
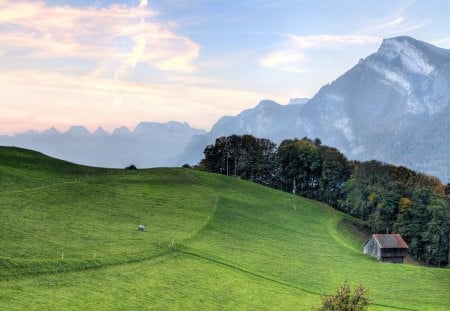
point(345, 300)
point(131, 167)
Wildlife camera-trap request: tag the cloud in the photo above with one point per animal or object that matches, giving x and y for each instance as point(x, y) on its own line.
point(396, 22)
point(330, 41)
point(409, 27)
point(442, 42)
point(35, 99)
point(296, 51)
point(117, 33)
point(143, 4)
point(289, 59)
point(138, 50)
point(386, 25)
point(399, 25)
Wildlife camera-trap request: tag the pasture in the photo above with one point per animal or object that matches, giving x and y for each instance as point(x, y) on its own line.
point(69, 240)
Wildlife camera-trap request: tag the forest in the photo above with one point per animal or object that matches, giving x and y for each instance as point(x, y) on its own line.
point(388, 198)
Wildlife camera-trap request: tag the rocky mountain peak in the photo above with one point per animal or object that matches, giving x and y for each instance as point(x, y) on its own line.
point(411, 55)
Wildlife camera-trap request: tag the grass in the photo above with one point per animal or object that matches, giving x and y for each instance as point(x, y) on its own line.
point(69, 240)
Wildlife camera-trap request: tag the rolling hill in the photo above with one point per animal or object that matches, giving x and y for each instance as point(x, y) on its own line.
point(69, 240)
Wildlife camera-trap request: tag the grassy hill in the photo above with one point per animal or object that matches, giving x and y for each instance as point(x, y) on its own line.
point(69, 240)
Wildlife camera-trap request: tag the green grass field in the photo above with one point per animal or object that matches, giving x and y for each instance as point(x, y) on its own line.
point(69, 240)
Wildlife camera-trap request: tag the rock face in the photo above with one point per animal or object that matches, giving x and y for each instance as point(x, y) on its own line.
point(393, 106)
point(150, 144)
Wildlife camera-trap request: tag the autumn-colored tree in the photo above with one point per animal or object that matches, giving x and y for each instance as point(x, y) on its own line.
point(345, 300)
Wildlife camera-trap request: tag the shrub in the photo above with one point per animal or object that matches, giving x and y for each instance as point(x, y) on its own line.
point(345, 300)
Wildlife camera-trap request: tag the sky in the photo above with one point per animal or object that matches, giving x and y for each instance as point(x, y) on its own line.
point(112, 63)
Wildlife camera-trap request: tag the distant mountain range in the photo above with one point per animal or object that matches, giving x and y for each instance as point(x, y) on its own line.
point(392, 106)
point(150, 144)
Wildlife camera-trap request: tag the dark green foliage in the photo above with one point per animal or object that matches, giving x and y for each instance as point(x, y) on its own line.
point(425, 225)
point(336, 171)
point(241, 156)
point(300, 163)
point(131, 167)
point(345, 300)
point(317, 171)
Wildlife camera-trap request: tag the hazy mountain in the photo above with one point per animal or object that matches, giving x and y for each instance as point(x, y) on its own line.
point(298, 101)
point(393, 106)
point(150, 144)
point(267, 120)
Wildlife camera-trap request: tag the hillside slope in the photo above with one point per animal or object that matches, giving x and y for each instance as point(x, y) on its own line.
point(211, 242)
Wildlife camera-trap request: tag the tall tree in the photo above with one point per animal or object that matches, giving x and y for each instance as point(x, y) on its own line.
point(335, 172)
point(300, 163)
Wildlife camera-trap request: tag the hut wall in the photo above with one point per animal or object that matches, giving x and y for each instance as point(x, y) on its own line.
point(393, 255)
point(371, 248)
point(393, 259)
point(393, 252)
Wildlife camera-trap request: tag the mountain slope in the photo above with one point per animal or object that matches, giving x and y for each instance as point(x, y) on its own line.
point(392, 106)
point(211, 242)
point(267, 120)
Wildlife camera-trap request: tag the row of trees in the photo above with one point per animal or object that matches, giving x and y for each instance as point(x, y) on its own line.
point(244, 156)
point(387, 197)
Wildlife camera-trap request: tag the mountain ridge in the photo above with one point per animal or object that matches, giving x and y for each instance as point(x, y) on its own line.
point(149, 144)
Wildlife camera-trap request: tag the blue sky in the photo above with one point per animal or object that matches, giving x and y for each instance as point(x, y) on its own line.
point(113, 63)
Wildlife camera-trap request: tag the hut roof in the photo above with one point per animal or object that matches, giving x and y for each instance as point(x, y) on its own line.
point(390, 241)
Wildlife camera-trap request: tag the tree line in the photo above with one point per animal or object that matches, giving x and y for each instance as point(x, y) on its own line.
point(388, 198)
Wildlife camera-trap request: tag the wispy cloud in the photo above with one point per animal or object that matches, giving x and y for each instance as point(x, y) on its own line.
point(122, 34)
point(443, 42)
point(398, 21)
point(295, 51)
point(330, 41)
point(398, 26)
point(138, 50)
point(390, 24)
point(410, 27)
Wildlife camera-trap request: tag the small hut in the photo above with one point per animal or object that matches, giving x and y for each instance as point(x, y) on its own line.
point(386, 247)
